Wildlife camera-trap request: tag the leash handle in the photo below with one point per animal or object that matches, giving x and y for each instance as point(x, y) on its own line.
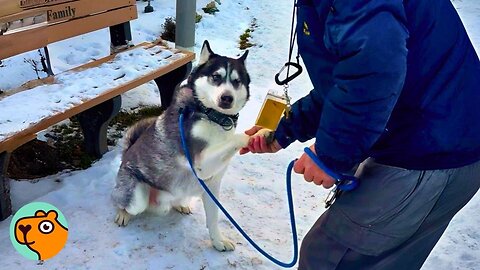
point(342, 181)
point(232, 220)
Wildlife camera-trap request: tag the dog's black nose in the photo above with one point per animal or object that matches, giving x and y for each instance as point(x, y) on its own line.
point(227, 99)
point(24, 229)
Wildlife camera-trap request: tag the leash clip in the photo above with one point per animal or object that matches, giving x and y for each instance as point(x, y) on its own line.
point(342, 182)
point(289, 78)
point(347, 183)
point(331, 197)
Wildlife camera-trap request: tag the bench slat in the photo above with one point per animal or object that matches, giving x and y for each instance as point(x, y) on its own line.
point(82, 9)
point(10, 7)
point(16, 43)
point(10, 142)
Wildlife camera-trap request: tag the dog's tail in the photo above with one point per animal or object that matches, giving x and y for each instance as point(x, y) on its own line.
point(135, 131)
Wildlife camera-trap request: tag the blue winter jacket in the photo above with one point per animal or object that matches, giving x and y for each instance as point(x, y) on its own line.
point(395, 80)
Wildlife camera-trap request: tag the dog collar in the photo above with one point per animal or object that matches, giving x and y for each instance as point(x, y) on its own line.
point(226, 121)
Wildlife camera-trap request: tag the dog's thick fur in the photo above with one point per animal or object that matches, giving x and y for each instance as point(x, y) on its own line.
point(154, 172)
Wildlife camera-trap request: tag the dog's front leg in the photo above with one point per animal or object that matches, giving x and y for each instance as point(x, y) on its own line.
point(211, 211)
point(216, 157)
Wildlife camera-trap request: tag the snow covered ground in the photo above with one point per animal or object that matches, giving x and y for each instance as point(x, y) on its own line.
point(254, 184)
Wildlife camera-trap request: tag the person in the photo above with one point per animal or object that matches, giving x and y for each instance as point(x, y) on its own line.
point(396, 90)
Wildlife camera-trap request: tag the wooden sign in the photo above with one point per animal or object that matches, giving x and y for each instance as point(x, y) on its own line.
point(9, 7)
point(38, 12)
point(38, 3)
point(61, 13)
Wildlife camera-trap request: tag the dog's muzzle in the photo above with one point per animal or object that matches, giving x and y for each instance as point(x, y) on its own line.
point(226, 101)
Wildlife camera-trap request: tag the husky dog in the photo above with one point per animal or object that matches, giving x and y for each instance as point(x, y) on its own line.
point(155, 173)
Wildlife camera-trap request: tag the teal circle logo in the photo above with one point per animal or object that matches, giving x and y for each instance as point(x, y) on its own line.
point(38, 231)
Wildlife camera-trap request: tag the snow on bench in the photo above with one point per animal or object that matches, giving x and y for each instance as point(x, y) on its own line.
point(30, 111)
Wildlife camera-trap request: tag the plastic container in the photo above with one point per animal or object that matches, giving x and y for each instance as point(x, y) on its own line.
point(272, 111)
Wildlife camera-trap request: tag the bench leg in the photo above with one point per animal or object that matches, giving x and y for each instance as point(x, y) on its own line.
point(120, 37)
point(168, 82)
point(5, 203)
point(94, 124)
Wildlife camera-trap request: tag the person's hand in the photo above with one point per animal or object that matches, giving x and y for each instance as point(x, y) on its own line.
point(311, 172)
point(259, 143)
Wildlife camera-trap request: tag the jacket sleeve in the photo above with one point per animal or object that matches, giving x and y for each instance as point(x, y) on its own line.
point(369, 38)
point(303, 121)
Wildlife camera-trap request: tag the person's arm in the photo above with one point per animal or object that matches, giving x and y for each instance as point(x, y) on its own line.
point(301, 125)
point(369, 38)
point(303, 121)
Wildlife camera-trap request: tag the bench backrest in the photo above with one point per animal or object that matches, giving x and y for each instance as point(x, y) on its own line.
point(27, 25)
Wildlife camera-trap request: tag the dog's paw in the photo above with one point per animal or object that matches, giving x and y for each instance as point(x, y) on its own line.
point(267, 133)
point(122, 218)
point(223, 245)
point(241, 141)
point(183, 209)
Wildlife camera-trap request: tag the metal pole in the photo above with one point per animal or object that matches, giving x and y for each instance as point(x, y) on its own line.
point(185, 24)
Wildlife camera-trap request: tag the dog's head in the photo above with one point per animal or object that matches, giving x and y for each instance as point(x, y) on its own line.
point(220, 82)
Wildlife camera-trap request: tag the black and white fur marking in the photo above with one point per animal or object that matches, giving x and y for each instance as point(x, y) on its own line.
point(154, 173)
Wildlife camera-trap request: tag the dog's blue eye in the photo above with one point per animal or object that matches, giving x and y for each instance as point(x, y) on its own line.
point(216, 78)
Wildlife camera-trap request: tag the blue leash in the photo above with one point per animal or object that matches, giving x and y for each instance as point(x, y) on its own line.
point(232, 220)
point(343, 182)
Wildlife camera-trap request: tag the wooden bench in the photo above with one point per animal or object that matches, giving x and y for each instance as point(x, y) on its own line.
point(91, 91)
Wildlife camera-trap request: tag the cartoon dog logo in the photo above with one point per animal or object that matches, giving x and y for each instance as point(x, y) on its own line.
point(41, 233)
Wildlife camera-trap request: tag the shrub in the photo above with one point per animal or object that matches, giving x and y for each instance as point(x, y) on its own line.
point(211, 8)
point(198, 18)
point(245, 37)
point(169, 27)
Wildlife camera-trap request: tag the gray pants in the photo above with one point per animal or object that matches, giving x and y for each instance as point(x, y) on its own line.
point(391, 221)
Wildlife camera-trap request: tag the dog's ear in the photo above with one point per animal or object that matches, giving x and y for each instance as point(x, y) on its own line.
point(244, 56)
point(205, 53)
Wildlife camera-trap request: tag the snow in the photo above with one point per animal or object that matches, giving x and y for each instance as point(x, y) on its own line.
point(469, 11)
point(73, 88)
point(253, 188)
